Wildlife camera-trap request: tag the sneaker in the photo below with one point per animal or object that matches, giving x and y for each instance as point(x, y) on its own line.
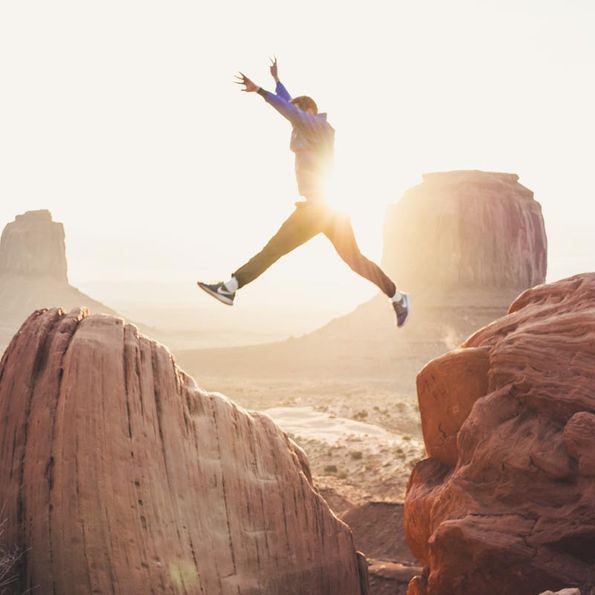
point(218, 291)
point(402, 308)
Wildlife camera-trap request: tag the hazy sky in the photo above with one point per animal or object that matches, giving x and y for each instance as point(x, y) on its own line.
point(122, 118)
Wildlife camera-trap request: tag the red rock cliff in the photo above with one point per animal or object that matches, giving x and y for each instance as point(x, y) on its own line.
point(506, 501)
point(468, 229)
point(120, 475)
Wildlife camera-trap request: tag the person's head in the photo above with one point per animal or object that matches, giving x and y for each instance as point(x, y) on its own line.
point(306, 104)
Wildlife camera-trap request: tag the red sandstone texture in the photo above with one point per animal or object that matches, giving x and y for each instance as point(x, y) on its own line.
point(506, 501)
point(466, 229)
point(119, 475)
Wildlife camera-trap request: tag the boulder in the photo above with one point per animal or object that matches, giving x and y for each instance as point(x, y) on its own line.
point(509, 506)
point(447, 388)
point(120, 475)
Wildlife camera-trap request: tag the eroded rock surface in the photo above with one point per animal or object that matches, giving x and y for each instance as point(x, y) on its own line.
point(507, 504)
point(120, 475)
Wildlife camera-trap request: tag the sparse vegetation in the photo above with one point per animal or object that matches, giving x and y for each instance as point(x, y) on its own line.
point(8, 560)
point(330, 469)
point(357, 455)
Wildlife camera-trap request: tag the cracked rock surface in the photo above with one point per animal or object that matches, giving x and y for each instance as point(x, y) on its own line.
point(506, 501)
point(119, 475)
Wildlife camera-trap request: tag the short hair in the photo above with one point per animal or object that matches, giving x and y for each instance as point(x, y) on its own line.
point(305, 103)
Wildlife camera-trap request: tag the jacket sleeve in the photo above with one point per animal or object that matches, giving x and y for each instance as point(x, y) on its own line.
point(282, 91)
point(293, 113)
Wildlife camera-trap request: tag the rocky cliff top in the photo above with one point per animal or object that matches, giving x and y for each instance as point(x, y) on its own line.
point(505, 502)
point(120, 475)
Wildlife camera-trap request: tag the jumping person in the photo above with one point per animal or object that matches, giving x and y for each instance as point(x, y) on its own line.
point(312, 141)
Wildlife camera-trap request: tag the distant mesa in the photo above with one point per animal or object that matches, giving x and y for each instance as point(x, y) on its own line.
point(33, 246)
point(120, 475)
point(505, 502)
point(34, 272)
point(466, 229)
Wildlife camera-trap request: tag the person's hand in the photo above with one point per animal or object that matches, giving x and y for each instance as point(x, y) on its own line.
point(250, 87)
point(273, 69)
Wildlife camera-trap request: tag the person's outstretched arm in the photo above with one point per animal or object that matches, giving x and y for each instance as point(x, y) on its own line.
point(287, 109)
point(280, 88)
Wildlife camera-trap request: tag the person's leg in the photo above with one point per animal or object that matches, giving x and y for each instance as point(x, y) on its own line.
point(303, 224)
point(340, 232)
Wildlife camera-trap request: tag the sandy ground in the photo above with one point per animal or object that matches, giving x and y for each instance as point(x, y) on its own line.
point(362, 438)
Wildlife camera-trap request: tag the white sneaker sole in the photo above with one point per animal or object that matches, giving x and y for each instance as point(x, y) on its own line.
point(222, 298)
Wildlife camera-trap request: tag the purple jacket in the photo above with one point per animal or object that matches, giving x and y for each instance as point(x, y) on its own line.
point(312, 141)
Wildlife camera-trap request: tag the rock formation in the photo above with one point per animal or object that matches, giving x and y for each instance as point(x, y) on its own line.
point(466, 229)
point(506, 501)
point(33, 272)
point(33, 245)
point(464, 243)
point(120, 475)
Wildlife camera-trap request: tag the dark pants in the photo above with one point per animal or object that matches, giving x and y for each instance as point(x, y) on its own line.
point(309, 219)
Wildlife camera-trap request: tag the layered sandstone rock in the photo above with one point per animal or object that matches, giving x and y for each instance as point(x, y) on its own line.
point(120, 475)
point(506, 503)
point(466, 229)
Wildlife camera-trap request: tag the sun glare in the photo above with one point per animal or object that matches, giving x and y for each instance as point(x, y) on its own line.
point(341, 191)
